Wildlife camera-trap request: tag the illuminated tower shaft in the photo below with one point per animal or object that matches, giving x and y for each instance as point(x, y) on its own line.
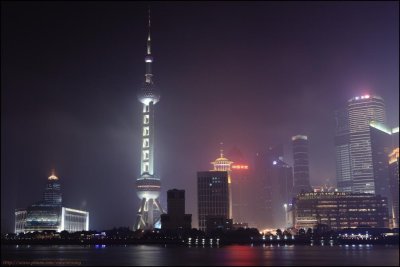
point(148, 185)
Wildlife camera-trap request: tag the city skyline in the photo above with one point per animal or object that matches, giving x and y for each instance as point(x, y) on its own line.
point(69, 97)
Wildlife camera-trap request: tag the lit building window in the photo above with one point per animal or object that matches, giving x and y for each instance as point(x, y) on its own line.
point(146, 155)
point(146, 142)
point(146, 108)
point(146, 119)
point(146, 131)
point(146, 167)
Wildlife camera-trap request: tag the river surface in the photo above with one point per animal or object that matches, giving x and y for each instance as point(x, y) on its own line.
point(153, 255)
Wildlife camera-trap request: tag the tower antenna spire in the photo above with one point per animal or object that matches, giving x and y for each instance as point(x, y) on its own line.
point(149, 37)
point(221, 150)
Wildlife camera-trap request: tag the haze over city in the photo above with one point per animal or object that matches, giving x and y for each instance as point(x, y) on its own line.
point(248, 75)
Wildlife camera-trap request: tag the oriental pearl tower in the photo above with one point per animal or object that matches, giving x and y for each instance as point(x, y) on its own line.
point(148, 184)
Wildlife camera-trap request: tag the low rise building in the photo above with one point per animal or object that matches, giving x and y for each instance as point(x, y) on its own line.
point(339, 210)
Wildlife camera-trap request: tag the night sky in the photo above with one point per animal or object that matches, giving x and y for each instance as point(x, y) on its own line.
point(249, 74)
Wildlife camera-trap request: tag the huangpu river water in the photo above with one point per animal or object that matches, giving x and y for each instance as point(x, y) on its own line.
point(153, 255)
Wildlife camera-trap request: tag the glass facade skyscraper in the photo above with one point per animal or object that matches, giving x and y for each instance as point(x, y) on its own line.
point(342, 150)
point(380, 149)
point(279, 190)
point(301, 174)
point(362, 111)
point(262, 197)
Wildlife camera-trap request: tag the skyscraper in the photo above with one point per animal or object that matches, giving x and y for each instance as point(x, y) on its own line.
point(224, 164)
point(240, 187)
point(52, 193)
point(342, 150)
point(301, 174)
point(277, 186)
point(380, 136)
point(259, 201)
point(212, 196)
point(394, 185)
point(148, 184)
point(279, 189)
point(262, 199)
point(362, 111)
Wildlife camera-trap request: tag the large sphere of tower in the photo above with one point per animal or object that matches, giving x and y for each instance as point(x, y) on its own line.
point(149, 93)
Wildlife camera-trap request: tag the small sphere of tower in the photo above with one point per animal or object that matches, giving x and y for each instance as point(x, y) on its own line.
point(148, 59)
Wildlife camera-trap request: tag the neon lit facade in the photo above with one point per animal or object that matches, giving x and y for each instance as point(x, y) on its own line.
point(148, 184)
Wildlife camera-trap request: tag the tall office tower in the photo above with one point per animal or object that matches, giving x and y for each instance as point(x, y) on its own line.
point(274, 185)
point(273, 155)
point(380, 137)
point(278, 186)
point(176, 217)
point(362, 111)
point(342, 147)
point(301, 174)
point(148, 184)
point(394, 185)
point(279, 189)
point(224, 164)
point(241, 193)
point(259, 200)
point(212, 196)
point(262, 198)
point(52, 193)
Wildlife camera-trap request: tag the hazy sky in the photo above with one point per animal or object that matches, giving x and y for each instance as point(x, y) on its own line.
point(250, 74)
